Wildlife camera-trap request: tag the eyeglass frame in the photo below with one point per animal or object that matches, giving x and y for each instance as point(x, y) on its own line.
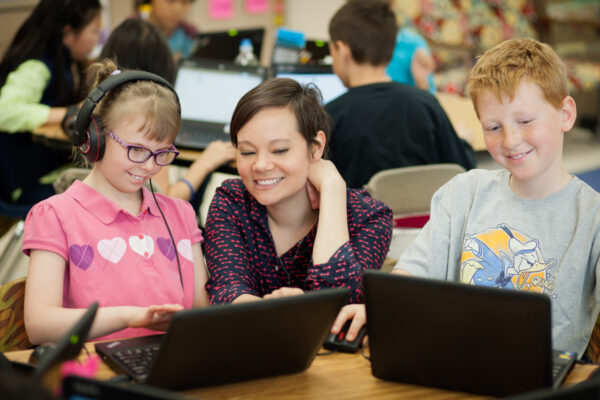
point(128, 146)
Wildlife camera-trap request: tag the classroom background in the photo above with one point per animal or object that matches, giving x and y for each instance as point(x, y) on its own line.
point(457, 31)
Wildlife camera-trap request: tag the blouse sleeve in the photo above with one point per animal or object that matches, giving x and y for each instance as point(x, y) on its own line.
point(20, 107)
point(226, 253)
point(367, 248)
point(43, 231)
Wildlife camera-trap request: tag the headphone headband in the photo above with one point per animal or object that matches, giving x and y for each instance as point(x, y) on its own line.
point(86, 135)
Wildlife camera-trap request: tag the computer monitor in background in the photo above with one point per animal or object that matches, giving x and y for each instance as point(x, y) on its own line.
point(317, 52)
point(225, 45)
point(208, 92)
point(322, 76)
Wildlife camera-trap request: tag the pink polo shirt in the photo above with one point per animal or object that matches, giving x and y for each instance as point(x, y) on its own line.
point(113, 257)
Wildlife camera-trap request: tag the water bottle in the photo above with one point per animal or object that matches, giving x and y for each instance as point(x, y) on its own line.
point(246, 55)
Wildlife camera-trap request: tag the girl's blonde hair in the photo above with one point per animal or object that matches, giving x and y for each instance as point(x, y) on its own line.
point(502, 68)
point(156, 104)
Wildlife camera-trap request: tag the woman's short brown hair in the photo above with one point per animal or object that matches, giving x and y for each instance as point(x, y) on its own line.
point(304, 101)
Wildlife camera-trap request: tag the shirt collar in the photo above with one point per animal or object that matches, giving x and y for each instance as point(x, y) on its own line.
point(104, 209)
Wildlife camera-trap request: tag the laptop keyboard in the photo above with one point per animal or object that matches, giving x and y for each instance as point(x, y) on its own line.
point(562, 363)
point(199, 135)
point(137, 361)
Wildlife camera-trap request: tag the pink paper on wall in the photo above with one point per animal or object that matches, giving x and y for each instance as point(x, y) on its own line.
point(220, 9)
point(257, 6)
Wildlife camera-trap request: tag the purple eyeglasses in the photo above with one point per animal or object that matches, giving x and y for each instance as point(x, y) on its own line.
point(140, 154)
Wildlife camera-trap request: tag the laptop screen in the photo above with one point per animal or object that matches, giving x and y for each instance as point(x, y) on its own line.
point(225, 45)
point(318, 51)
point(322, 76)
point(209, 93)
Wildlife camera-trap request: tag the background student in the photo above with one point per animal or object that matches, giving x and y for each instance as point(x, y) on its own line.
point(380, 124)
point(289, 224)
point(412, 62)
point(40, 75)
point(108, 239)
point(532, 225)
point(137, 44)
point(169, 17)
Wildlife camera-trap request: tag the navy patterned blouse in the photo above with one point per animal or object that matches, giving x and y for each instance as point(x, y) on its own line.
point(242, 258)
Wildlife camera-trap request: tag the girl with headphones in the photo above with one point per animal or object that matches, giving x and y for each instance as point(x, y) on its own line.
point(107, 239)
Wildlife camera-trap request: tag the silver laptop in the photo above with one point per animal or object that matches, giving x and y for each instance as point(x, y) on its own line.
point(461, 337)
point(209, 92)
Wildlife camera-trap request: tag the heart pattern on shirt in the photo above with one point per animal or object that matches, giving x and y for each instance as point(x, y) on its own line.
point(166, 247)
point(142, 244)
point(185, 249)
point(81, 256)
point(112, 249)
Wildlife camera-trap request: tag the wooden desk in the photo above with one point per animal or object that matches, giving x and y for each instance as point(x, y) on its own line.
point(334, 376)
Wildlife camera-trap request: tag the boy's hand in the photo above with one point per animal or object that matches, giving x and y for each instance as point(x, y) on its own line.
point(283, 292)
point(358, 314)
point(155, 317)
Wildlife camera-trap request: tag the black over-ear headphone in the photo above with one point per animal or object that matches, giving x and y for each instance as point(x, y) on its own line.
point(88, 136)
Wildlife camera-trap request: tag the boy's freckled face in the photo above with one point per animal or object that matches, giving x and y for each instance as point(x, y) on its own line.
point(524, 135)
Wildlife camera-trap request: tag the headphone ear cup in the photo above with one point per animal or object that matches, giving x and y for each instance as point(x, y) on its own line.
point(92, 145)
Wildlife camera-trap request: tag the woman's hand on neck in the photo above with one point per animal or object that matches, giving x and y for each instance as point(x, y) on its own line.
point(332, 232)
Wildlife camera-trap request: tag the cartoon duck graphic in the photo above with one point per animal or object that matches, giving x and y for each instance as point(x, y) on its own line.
point(516, 264)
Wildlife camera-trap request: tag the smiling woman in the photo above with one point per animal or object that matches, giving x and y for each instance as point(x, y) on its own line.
point(289, 224)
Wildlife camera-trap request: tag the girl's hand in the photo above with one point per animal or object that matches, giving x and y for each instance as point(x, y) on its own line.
point(283, 292)
point(322, 176)
point(155, 317)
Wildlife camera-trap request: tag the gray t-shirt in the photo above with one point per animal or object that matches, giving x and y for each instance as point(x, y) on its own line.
point(481, 233)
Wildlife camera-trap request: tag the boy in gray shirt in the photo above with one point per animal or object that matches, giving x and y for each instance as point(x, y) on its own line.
point(531, 226)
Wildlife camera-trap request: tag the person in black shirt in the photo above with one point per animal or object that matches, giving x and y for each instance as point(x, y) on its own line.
point(380, 124)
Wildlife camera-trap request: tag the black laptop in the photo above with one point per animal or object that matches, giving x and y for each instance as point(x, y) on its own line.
point(228, 343)
point(317, 51)
point(586, 390)
point(321, 76)
point(66, 348)
point(461, 337)
point(225, 45)
point(209, 92)
point(76, 387)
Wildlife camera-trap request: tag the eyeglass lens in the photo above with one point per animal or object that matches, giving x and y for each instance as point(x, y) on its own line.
point(141, 154)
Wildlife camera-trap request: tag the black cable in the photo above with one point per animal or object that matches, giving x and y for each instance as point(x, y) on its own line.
point(170, 234)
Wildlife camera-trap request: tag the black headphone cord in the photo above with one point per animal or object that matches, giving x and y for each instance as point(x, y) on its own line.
point(170, 234)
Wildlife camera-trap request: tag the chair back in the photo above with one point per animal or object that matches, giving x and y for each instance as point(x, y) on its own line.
point(68, 176)
point(12, 321)
point(408, 190)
